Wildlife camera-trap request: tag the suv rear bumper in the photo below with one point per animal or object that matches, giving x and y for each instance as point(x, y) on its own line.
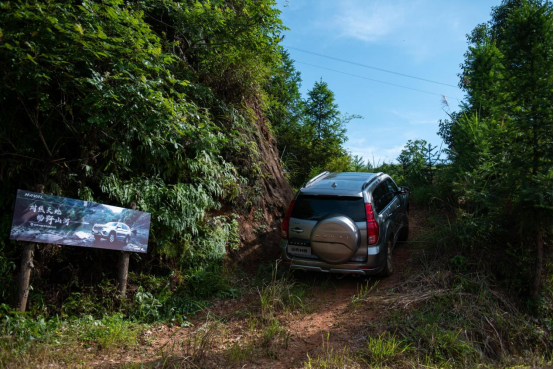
point(371, 266)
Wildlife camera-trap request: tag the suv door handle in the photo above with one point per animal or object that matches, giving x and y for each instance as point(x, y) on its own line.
point(297, 230)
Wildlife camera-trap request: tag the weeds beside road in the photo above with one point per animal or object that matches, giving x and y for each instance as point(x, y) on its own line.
point(436, 311)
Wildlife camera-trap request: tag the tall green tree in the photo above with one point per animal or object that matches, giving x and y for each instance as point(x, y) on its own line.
point(310, 132)
point(322, 114)
point(417, 160)
point(501, 142)
point(324, 128)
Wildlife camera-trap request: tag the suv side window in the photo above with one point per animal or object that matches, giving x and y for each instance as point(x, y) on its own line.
point(391, 186)
point(391, 189)
point(380, 197)
point(384, 194)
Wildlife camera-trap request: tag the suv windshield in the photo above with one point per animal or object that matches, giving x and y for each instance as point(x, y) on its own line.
point(317, 207)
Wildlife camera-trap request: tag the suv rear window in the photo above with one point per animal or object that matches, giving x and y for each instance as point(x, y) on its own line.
point(317, 207)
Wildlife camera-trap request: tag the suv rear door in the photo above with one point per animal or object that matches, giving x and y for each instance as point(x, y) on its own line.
point(386, 204)
point(308, 210)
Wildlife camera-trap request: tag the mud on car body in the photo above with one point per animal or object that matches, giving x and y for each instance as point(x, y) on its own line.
point(345, 223)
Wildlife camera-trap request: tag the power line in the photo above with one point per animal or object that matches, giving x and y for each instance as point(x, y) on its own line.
point(369, 66)
point(376, 80)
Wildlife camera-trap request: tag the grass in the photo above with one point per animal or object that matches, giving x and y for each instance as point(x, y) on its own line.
point(245, 347)
point(29, 342)
point(280, 293)
point(262, 334)
point(330, 358)
point(194, 351)
point(108, 334)
point(43, 341)
point(448, 313)
point(452, 316)
point(362, 293)
point(241, 352)
point(275, 338)
point(264, 338)
point(384, 350)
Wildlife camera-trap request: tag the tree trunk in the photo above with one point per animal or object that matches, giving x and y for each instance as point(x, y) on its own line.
point(535, 293)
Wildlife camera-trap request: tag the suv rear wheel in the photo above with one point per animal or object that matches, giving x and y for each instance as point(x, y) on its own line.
point(405, 231)
point(387, 265)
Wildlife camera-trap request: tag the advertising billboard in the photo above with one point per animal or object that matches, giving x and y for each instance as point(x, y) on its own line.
point(46, 218)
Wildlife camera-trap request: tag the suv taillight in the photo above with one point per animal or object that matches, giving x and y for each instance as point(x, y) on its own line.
point(285, 224)
point(372, 226)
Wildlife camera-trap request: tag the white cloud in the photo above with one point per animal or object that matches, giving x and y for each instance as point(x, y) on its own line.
point(417, 26)
point(367, 22)
point(357, 141)
point(395, 151)
point(415, 117)
point(376, 155)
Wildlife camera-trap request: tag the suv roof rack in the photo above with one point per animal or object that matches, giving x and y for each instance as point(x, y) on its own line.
point(368, 182)
point(319, 177)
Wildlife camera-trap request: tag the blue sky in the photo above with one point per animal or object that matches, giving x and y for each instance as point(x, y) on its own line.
point(421, 38)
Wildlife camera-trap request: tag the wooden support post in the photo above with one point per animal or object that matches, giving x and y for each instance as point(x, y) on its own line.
point(25, 276)
point(24, 279)
point(122, 273)
point(123, 267)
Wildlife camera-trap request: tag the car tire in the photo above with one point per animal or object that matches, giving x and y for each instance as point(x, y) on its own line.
point(387, 263)
point(405, 231)
point(111, 237)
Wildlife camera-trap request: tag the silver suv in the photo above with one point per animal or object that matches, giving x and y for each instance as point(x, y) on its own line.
point(112, 231)
point(345, 223)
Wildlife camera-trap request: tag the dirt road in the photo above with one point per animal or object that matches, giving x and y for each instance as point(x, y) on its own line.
point(336, 312)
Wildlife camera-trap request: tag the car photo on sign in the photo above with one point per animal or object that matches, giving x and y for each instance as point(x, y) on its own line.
point(59, 220)
point(112, 232)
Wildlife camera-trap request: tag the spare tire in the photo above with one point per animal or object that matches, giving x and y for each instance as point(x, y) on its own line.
point(335, 239)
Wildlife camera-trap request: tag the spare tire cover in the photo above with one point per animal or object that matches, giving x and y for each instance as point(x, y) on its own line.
point(335, 239)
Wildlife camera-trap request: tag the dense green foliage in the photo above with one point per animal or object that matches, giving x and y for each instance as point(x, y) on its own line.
point(500, 143)
point(147, 102)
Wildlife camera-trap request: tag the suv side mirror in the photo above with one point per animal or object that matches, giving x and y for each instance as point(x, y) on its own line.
point(404, 190)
